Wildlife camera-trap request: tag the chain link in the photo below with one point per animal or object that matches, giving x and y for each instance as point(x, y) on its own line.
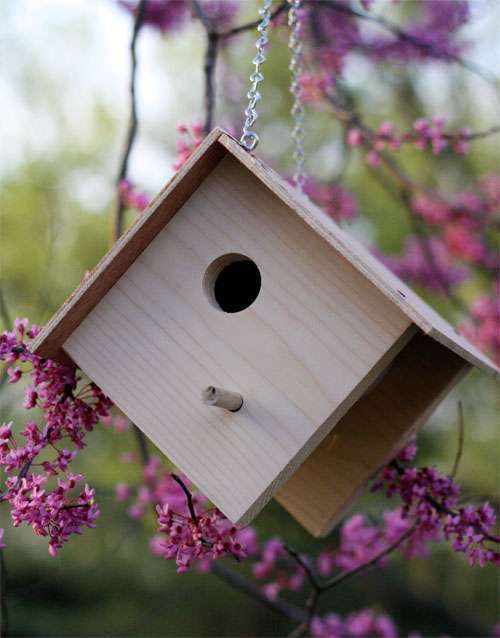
point(297, 111)
point(249, 139)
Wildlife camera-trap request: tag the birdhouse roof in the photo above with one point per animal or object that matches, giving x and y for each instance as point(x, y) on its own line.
point(165, 205)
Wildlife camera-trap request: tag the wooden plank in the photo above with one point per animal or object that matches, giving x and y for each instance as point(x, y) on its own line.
point(314, 339)
point(371, 433)
point(428, 320)
point(128, 248)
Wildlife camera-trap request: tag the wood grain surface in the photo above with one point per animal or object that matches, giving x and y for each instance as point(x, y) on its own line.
point(371, 433)
point(317, 335)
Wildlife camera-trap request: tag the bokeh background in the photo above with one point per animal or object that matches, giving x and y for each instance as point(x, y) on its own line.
point(63, 113)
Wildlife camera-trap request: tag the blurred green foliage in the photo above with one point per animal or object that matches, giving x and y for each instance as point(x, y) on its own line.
point(56, 198)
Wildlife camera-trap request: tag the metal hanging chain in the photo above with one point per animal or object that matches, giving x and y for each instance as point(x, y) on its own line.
point(297, 111)
point(249, 139)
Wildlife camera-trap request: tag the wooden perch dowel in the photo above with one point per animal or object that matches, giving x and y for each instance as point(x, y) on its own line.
point(220, 398)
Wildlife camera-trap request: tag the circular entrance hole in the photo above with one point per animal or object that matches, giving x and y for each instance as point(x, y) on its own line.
point(232, 282)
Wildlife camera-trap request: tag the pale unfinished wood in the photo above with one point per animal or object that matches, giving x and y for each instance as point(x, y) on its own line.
point(220, 398)
point(176, 193)
point(371, 433)
point(130, 245)
point(317, 335)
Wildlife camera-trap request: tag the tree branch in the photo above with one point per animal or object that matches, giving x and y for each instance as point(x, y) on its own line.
point(404, 36)
point(250, 26)
point(298, 558)
point(4, 611)
point(187, 494)
point(251, 589)
point(209, 65)
point(460, 447)
point(133, 122)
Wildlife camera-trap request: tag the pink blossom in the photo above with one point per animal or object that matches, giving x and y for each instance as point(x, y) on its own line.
point(221, 13)
point(14, 374)
point(55, 514)
point(362, 624)
point(430, 500)
point(373, 159)
point(165, 16)
point(337, 202)
point(122, 491)
point(427, 262)
point(436, 28)
point(133, 198)
point(209, 535)
point(69, 409)
point(355, 137)
point(190, 140)
point(315, 86)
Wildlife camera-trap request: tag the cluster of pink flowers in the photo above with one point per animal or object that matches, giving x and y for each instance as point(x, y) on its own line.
point(70, 410)
point(131, 197)
point(188, 539)
point(157, 487)
point(427, 134)
point(56, 513)
point(426, 262)
point(315, 85)
point(191, 138)
point(362, 624)
point(273, 563)
point(430, 500)
point(430, 36)
point(336, 201)
point(206, 536)
point(361, 542)
point(465, 220)
point(462, 243)
point(483, 325)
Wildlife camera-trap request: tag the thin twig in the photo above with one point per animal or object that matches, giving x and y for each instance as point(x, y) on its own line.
point(209, 65)
point(248, 587)
point(308, 571)
point(4, 311)
point(133, 121)
point(343, 576)
point(389, 26)
point(209, 68)
point(405, 36)
point(4, 611)
point(250, 26)
point(118, 216)
point(188, 495)
point(405, 188)
point(460, 447)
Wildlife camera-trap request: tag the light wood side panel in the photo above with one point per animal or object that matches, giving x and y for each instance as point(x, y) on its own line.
point(130, 245)
point(305, 349)
point(371, 433)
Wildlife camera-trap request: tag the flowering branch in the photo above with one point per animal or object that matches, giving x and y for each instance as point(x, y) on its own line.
point(189, 496)
point(404, 36)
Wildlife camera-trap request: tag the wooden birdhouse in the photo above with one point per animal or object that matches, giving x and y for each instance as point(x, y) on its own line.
point(232, 280)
